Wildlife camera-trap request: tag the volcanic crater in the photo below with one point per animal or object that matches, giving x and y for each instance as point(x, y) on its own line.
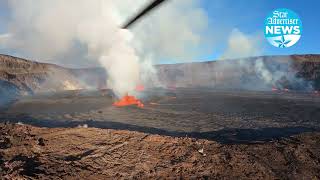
point(201, 123)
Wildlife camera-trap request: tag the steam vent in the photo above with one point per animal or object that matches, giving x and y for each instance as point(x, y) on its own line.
point(159, 89)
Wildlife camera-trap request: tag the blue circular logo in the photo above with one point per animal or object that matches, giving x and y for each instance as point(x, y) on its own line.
point(283, 28)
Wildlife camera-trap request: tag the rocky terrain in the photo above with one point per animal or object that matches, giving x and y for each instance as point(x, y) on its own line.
point(195, 112)
point(28, 152)
point(23, 77)
point(295, 72)
point(30, 77)
point(256, 118)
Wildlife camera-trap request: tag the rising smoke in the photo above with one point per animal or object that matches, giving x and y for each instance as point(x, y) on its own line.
point(259, 73)
point(177, 30)
point(50, 29)
point(86, 33)
point(240, 45)
point(238, 70)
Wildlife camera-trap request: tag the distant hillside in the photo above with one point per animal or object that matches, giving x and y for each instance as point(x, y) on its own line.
point(297, 72)
point(27, 77)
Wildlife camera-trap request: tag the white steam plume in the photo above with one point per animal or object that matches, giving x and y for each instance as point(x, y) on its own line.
point(69, 32)
point(49, 29)
point(242, 45)
point(177, 30)
point(260, 73)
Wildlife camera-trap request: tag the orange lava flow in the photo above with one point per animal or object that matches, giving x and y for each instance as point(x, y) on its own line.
point(128, 101)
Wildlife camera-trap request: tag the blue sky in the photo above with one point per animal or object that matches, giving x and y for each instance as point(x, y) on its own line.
point(3, 15)
point(247, 16)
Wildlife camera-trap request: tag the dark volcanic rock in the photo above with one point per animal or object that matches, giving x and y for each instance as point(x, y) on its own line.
point(8, 92)
point(296, 72)
point(27, 77)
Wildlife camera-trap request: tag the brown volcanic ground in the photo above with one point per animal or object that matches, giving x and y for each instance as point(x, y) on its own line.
point(243, 134)
point(189, 132)
point(90, 153)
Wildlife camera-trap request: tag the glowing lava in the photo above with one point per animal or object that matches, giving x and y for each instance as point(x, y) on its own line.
point(139, 88)
point(128, 101)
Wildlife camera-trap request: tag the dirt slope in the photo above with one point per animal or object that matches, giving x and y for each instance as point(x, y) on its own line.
point(89, 153)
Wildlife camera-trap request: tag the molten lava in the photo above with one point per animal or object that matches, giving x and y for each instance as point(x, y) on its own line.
point(139, 88)
point(128, 101)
